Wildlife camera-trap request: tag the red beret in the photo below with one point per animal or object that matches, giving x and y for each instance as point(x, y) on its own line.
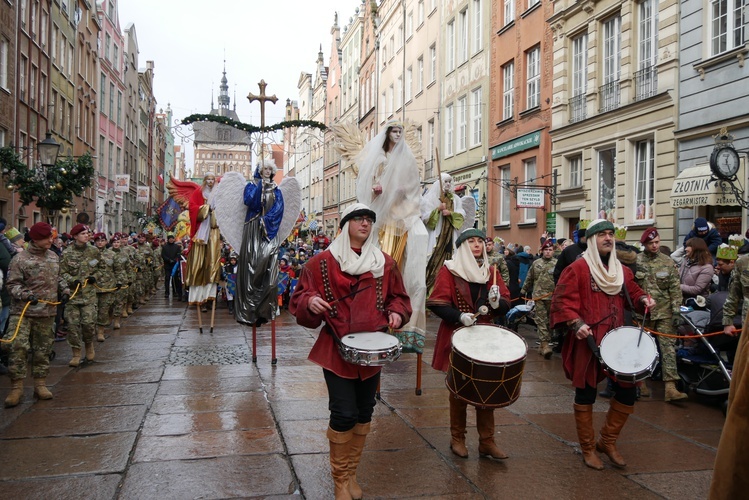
point(78, 228)
point(547, 244)
point(40, 231)
point(100, 236)
point(649, 235)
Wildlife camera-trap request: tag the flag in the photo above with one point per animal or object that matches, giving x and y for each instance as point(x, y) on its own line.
point(161, 178)
point(313, 225)
point(169, 213)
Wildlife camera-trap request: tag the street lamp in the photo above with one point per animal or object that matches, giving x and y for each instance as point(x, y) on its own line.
point(48, 151)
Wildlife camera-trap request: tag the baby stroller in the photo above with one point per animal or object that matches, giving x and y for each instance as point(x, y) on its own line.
point(701, 367)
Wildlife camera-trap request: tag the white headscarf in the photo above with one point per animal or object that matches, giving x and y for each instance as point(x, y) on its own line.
point(464, 264)
point(371, 259)
point(609, 280)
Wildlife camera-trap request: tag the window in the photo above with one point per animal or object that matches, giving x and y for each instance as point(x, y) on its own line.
point(392, 44)
point(606, 203)
point(111, 101)
point(42, 93)
point(533, 58)
point(463, 37)
point(449, 130)
point(71, 51)
point(119, 108)
point(409, 25)
point(103, 91)
point(576, 172)
point(530, 180)
point(43, 29)
point(531, 3)
point(399, 92)
point(420, 12)
point(391, 100)
point(579, 77)
point(508, 90)
point(504, 194)
point(644, 180)
point(727, 25)
point(420, 75)
point(476, 113)
point(409, 82)
point(116, 57)
point(107, 43)
point(509, 11)
point(400, 37)
point(53, 45)
point(609, 91)
point(477, 27)
point(4, 44)
point(646, 79)
point(32, 84)
point(450, 46)
point(430, 151)
point(462, 123)
point(22, 78)
point(433, 58)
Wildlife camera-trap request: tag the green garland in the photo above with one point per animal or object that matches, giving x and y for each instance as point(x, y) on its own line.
point(252, 128)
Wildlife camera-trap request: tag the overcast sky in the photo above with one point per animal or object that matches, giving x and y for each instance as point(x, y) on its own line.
point(188, 41)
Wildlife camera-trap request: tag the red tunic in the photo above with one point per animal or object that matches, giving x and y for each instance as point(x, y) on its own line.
point(454, 291)
point(366, 311)
point(577, 296)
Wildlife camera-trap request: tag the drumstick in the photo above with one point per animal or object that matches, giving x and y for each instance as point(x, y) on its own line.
point(350, 295)
point(482, 310)
point(495, 275)
point(642, 326)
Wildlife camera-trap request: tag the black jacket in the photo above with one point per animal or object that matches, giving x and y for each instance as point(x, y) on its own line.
point(567, 257)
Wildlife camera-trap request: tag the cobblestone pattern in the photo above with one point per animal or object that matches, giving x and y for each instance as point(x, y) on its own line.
point(209, 355)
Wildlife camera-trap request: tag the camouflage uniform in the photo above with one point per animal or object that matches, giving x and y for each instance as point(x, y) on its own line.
point(132, 274)
point(158, 267)
point(497, 259)
point(121, 267)
point(738, 291)
point(540, 282)
point(139, 264)
point(33, 272)
point(105, 282)
point(658, 276)
point(78, 263)
point(147, 268)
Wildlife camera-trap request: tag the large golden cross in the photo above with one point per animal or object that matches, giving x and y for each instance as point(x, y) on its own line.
point(262, 98)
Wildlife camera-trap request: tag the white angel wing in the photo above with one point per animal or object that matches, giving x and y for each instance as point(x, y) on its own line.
point(292, 205)
point(349, 141)
point(468, 202)
point(227, 200)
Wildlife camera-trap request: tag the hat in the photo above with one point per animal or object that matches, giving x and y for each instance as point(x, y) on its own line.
point(620, 232)
point(469, 233)
point(78, 228)
point(13, 234)
point(169, 235)
point(598, 226)
point(561, 240)
point(736, 240)
point(40, 231)
point(649, 235)
point(727, 252)
point(357, 210)
point(100, 236)
point(700, 225)
point(583, 224)
point(547, 244)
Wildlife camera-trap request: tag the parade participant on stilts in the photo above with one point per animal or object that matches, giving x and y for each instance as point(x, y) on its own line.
point(351, 262)
point(589, 300)
point(463, 285)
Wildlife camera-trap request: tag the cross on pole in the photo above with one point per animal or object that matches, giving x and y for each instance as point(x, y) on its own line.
point(262, 98)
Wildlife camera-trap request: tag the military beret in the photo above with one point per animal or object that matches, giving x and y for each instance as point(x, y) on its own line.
point(649, 235)
point(40, 231)
point(78, 228)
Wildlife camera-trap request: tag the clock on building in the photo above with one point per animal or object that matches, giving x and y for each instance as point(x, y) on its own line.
point(724, 161)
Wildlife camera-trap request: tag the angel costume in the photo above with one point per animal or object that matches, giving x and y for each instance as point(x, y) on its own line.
point(257, 274)
point(401, 232)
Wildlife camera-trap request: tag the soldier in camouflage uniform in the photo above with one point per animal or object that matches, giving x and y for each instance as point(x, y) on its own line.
point(106, 285)
point(497, 259)
point(144, 248)
point(658, 276)
point(77, 267)
point(121, 266)
point(33, 277)
point(132, 275)
point(540, 283)
point(158, 264)
point(738, 295)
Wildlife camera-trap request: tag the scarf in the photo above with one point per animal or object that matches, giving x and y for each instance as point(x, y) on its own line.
point(608, 280)
point(465, 265)
point(371, 258)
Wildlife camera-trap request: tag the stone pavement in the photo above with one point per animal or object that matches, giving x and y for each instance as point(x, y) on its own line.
point(165, 412)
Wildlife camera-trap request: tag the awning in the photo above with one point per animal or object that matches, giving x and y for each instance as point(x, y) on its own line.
point(694, 187)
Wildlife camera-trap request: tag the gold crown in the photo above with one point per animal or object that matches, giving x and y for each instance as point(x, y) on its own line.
point(736, 240)
point(727, 252)
point(584, 223)
point(620, 232)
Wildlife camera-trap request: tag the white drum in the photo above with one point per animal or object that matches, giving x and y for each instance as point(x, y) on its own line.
point(623, 359)
point(370, 348)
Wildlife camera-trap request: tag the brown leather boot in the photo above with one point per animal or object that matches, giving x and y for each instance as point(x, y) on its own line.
point(339, 459)
point(130, 309)
point(356, 447)
point(116, 324)
point(124, 312)
point(99, 333)
point(16, 393)
point(672, 393)
point(40, 389)
point(615, 420)
point(485, 425)
point(90, 353)
point(587, 436)
point(458, 410)
point(76, 359)
point(544, 350)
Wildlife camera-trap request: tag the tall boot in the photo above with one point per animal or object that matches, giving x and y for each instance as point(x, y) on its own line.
point(40, 388)
point(485, 425)
point(76, 359)
point(587, 436)
point(544, 350)
point(615, 420)
point(673, 394)
point(124, 313)
point(458, 410)
point(99, 334)
point(16, 393)
point(340, 443)
point(90, 351)
point(116, 325)
point(356, 447)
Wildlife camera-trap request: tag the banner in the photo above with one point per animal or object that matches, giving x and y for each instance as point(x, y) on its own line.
point(122, 183)
point(169, 213)
point(143, 192)
point(530, 198)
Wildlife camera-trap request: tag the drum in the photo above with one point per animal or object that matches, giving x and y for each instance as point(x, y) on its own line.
point(370, 348)
point(486, 365)
point(623, 359)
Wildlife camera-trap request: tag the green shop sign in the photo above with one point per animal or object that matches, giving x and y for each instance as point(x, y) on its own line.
point(516, 145)
point(551, 222)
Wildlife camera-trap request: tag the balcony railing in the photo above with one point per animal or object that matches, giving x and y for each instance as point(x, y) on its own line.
point(646, 83)
point(610, 96)
point(577, 108)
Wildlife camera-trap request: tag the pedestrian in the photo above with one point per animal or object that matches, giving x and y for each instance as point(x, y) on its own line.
point(588, 301)
point(121, 270)
point(33, 280)
point(230, 275)
point(463, 285)
point(170, 254)
point(106, 285)
point(539, 285)
point(658, 277)
point(77, 267)
point(146, 267)
point(696, 272)
point(707, 233)
point(497, 259)
point(572, 251)
point(351, 262)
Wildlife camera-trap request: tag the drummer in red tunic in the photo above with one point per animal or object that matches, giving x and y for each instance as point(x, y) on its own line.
point(352, 263)
point(589, 300)
point(465, 293)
